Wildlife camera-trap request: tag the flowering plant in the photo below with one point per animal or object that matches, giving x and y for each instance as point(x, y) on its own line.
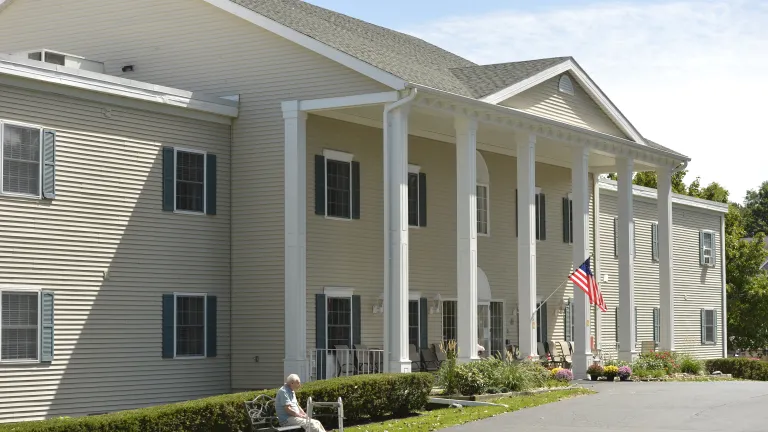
point(554, 371)
point(564, 375)
point(595, 370)
point(625, 372)
point(610, 372)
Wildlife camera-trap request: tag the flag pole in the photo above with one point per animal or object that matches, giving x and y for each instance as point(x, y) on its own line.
point(533, 315)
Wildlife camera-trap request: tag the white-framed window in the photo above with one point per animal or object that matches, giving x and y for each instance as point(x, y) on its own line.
point(338, 184)
point(190, 325)
point(707, 248)
point(20, 325)
point(414, 331)
point(339, 320)
point(450, 320)
point(21, 150)
point(482, 195)
point(708, 326)
point(189, 180)
point(498, 347)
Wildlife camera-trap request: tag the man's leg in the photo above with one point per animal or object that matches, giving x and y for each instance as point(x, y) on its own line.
point(308, 425)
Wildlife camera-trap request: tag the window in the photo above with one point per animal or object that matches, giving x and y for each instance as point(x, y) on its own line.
point(449, 320)
point(19, 324)
point(656, 326)
point(21, 151)
point(413, 323)
point(632, 239)
point(565, 85)
point(417, 197)
point(190, 181)
point(708, 326)
point(539, 215)
point(707, 248)
point(497, 330)
point(190, 325)
point(339, 321)
point(482, 209)
point(339, 178)
point(337, 185)
point(655, 241)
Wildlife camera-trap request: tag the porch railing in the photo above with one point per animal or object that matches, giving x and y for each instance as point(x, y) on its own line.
point(331, 363)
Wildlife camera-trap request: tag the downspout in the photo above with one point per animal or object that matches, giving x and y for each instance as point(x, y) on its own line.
point(724, 289)
point(680, 167)
point(387, 258)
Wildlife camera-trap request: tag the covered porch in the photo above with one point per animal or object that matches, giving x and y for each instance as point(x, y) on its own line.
point(542, 162)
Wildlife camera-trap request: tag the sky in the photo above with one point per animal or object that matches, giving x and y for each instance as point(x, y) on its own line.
point(690, 75)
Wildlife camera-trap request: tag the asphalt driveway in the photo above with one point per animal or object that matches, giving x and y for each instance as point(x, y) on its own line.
point(732, 406)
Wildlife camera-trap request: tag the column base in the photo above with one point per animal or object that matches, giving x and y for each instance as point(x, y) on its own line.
point(399, 366)
point(581, 362)
point(299, 367)
point(628, 356)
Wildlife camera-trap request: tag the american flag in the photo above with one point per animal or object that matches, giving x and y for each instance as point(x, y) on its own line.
point(584, 279)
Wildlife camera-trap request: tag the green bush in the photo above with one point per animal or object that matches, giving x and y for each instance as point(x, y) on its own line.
point(363, 395)
point(690, 365)
point(665, 361)
point(740, 368)
point(481, 376)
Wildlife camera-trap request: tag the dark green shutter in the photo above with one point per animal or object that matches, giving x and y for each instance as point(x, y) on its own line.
point(544, 336)
point(616, 237)
point(714, 326)
point(517, 216)
point(714, 249)
point(543, 210)
point(703, 318)
point(319, 185)
point(357, 320)
point(210, 184)
point(355, 190)
point(169, 177)
point(655, 241)
point(210, 327)
point(423, 320)
point(656, 324)
point(567, 321)
point(570, 218)
point(49, 164)
point(320, 337)
point(422, 200)
point(636, 328)
point(566, 220)
point(47, 334)
point(168, 327)
point(616, 323)
point(701, 247)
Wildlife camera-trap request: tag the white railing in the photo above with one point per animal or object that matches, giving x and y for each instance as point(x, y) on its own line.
point(331, 363)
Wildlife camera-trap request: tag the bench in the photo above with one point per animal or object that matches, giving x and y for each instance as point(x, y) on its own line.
point(261, 412)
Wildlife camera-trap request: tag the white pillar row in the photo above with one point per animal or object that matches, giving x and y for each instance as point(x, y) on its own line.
point(396, 293)
point(466, 237)
point(295, 360)
point(581, 312)
point(627, 351)
point(526, 245)
point(666, 279)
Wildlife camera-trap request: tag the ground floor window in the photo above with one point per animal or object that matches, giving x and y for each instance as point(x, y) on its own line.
point(19, 326)
point(449, 320)
point(708, 326)
point(497, 330)
point(413, 323)
point(339, 321)
point(190, 325)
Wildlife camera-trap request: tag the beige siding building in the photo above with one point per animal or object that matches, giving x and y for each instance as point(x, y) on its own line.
point(320, 183)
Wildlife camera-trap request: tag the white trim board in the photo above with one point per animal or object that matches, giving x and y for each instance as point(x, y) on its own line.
point(649, 193)
point(584, 80)
point(309, 43)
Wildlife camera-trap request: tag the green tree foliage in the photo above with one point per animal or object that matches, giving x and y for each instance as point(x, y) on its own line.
point(756, 210)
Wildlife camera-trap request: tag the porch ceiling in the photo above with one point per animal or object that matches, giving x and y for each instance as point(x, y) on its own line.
point(439, 125)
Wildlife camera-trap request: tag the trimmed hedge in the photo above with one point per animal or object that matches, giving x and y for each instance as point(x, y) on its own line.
point(740, 368)
point(365, 396)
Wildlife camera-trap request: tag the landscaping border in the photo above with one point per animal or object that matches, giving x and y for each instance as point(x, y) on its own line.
point(486, 397)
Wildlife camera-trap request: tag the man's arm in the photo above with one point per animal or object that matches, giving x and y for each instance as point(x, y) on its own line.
point(295, 413)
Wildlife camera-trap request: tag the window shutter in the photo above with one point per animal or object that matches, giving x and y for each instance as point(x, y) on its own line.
point(210, 327)
point(422, 200)
point(701, 248)
point(210, 184)
point(714, 326)
point(357, 320)
point(517, 217)
point(320, 185)
point(543, 212)
point(703, 318)
point(47, 333)
point(423, 321)
point(544, 336)
point(49, 164)
point(714, 250)
point(655, 241)
point(169, 177)
point(566, 220)
point(616, 323)
point(355, 190)
point(636, 327)
point(656, 317)
point(567, 320)
point(168, 326)
point(320, 336)
point(616, 237)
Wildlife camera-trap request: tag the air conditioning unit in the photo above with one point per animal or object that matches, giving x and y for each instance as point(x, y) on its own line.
point(62, 59)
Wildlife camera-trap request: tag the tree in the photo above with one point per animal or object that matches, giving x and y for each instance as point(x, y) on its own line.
point(651, 180)
point(756, 210)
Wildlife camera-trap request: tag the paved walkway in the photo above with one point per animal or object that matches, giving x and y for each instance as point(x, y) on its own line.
point(731, 406)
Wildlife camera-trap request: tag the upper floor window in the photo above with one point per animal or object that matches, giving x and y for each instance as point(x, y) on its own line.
point(190, 181)
point(417, 197)
point(337, 185)
point(707, 248)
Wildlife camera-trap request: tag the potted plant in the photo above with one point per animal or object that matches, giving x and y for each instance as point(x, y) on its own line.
point(595, 371)
point(610, 372)
point(624, 373)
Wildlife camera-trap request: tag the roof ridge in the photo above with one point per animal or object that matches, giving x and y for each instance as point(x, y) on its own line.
point(563, 58)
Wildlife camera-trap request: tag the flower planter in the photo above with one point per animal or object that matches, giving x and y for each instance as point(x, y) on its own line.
point(609, 378)
point(593, 377)
point(624, 378)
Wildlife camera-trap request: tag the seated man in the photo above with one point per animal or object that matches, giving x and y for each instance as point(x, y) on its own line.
point(287, 408)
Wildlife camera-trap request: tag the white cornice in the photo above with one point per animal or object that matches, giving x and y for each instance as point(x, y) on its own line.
point(13, 66)
point(650, 193)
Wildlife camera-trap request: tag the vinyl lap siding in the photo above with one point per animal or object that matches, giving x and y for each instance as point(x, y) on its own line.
point(695, 287)
point(578, 109)
point(195, 46)
point(107, 217)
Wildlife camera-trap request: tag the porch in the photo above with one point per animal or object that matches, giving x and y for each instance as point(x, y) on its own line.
point(385, 287)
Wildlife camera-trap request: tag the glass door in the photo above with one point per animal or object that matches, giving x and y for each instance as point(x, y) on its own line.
point(484, 329)
point(497, 330)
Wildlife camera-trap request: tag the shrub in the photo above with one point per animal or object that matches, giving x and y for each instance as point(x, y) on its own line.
point(690, 365)
point(363, 395)
point(658, 360)
point(446, 376)
point(641, 373)
point(740, 368)
point(610, 372)
point(564, 375)
point(625, 372)
point(595, 370)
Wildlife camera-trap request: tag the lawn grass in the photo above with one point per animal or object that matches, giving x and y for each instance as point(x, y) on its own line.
point(446, 417)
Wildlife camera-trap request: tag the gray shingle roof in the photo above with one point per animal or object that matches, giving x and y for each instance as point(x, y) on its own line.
point(485, 80)
point(661, 147)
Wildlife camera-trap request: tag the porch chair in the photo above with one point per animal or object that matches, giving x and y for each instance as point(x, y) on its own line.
point(563, 353)
point(429, 360)
point(556, 353)
point(542, 352)
point(413, 354)
point(439, 354)
point(363, 359)
point(345, 363)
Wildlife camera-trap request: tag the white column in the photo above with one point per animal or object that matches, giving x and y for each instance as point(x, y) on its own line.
point(597, 269)
point(666, 285)
point(581, 311)
point(396, 205)
point(295, 360)
point(466, 237)
point(627, 351)
point(526, 245)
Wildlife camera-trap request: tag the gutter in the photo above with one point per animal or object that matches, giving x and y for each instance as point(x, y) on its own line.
point(387, 258)
point(680, 167)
